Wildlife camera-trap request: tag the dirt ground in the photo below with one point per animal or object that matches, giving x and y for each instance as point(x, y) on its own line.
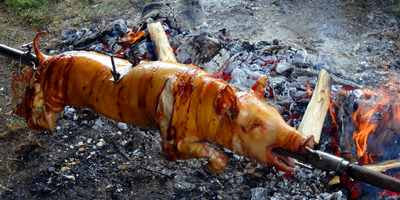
point(77, 161)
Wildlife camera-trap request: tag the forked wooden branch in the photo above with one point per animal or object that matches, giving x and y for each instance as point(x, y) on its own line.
point(317, 109)
point(158, 36)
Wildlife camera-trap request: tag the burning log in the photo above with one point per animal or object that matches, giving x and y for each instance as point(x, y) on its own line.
point(158, 36)
point(317, 108)
point(335, 79)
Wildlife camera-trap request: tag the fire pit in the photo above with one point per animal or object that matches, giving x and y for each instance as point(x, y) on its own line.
point(122, 161)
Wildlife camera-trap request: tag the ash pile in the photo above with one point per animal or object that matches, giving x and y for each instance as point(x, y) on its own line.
point(125, 162)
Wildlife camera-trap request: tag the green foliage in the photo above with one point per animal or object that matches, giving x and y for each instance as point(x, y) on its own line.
point(393, 5)
point(42, 13)
point(384, 2)
point(24, 5)
point(35, 12)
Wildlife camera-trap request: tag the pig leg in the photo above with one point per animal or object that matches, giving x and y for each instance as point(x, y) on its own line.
point(217, 159)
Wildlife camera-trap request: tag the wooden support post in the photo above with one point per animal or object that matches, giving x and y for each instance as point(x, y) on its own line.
point(158, 36)
point(314, 117)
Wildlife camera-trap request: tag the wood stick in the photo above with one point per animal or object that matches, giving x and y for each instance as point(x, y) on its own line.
point(314, 117)
point(158, 36)
point(383, 166)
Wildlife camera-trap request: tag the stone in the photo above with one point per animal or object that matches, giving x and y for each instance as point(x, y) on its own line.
point(101, 143)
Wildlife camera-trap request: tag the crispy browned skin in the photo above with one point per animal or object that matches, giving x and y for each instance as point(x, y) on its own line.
point(192, 109)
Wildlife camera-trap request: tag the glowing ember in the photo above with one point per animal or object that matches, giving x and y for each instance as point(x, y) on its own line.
point(351, 185)
point(224, 76)
point(129, 39)
point(385, 194)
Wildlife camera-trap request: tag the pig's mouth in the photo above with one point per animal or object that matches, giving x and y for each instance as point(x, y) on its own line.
point(282, 162)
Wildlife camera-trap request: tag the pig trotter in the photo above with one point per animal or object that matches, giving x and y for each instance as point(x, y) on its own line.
point(217, 159)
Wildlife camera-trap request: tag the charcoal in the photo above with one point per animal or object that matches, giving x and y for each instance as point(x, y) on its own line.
point(87, 36)
point(198, 50)
point(115, 47)
point(259, 193)
point(215, 65)
point(155, 10)
point(255, 67)
point(300, 56)
point(186, 14)
point(282, 68)
point(236, 49)
point(96, 47)
point(234, 65)
point(281, 89)
point(261, 44)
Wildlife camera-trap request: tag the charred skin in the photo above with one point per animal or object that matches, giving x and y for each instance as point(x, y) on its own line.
point(192, 109)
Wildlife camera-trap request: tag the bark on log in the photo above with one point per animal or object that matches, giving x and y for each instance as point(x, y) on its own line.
point(158, 36)
point(314, 117)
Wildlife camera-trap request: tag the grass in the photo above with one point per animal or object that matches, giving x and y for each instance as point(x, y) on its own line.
point(44, 13)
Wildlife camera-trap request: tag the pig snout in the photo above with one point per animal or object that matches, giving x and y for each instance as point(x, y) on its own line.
point(296, 142)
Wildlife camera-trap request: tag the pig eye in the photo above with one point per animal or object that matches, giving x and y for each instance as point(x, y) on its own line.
point(255, 126)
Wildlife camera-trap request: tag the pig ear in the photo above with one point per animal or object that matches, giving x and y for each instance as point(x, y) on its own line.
point(226, 102)
point(259, 87)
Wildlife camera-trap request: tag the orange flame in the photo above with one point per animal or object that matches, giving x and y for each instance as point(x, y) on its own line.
point(379, 111)
point(332, 112)
point(308, 89)
point(131, 37)
point(365, 121)
point(362, 118)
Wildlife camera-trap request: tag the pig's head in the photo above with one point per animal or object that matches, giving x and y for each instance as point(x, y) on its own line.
point(253, 128)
